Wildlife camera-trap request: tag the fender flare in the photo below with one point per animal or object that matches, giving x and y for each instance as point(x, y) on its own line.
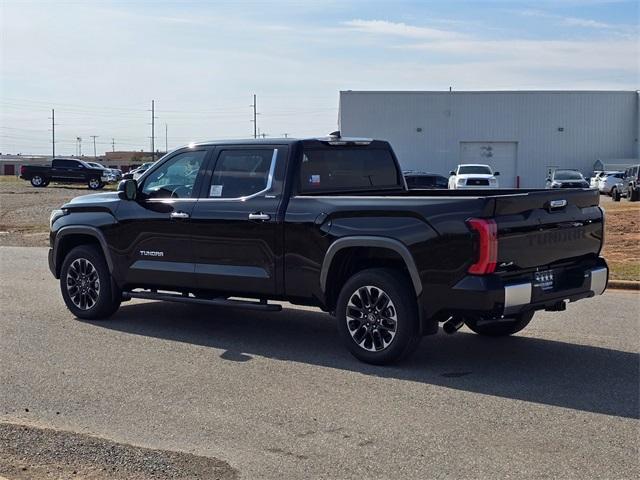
point(83, 230)
point(370, 241)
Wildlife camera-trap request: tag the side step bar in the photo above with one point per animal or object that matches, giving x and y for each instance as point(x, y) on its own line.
point(220, 302)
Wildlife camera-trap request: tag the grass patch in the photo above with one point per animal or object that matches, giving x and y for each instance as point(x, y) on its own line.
point(624, 271)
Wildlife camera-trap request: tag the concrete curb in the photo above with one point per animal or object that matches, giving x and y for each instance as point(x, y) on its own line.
point(623, 285)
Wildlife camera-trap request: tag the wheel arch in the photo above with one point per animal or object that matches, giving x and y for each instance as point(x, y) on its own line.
point(386, 250)
point(72, 236)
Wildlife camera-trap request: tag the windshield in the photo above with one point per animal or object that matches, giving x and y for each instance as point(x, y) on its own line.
point(567, 175)
point(477, 169)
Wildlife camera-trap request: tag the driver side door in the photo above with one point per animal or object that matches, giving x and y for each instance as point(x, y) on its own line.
point(155, 230)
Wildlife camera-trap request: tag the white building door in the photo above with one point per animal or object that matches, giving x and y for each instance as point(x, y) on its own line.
point(501, 156)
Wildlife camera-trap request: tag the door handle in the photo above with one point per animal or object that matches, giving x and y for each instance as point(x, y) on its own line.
point(179, 215)
point(259, 216)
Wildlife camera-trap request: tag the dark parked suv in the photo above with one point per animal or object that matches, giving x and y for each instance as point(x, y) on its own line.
point(629, 186)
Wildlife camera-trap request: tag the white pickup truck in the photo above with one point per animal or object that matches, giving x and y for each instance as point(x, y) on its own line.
point(469, 176)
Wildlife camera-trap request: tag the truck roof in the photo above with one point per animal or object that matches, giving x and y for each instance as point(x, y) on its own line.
point(290, 141)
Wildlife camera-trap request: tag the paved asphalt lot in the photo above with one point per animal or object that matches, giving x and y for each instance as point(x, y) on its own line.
point(276, 395)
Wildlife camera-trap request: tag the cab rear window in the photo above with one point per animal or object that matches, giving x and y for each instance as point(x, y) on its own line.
point(347, 169)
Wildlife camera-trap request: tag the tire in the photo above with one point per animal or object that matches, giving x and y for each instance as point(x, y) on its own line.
point(615, 195)
point(94, 183)
point(633, 194)
point(87, 263)
point(502, 328)
point(378, 335)
point(612, 192)
point(39, 181)
point(46, 183)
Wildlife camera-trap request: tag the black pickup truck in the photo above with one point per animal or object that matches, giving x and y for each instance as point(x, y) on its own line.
point(65, 170)
point(329, 222)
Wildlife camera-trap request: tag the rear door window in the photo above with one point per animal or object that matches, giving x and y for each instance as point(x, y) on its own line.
point(347, 169)
point(240, 173)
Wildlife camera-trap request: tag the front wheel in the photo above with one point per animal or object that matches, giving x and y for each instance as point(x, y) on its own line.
point(377, 316)
point(86, 284)
point(94, 183)
point(500, 328)
point(615, 195)
point(633, 194)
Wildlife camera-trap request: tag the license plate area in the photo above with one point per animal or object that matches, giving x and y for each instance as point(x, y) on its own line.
point(544, 280)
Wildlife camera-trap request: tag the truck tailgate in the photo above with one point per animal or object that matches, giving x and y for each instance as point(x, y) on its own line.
point(537, 229)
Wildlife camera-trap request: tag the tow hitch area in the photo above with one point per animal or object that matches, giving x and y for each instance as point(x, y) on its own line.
point(452, 325)
point(561, 306)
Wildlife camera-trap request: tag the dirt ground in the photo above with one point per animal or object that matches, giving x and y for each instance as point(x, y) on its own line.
point(24, 210)
point(622, 238)
point(24, 221)
point(28, 452)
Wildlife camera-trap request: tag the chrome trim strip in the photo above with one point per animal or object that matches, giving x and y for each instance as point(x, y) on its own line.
point(515, 296)
point(599, 278)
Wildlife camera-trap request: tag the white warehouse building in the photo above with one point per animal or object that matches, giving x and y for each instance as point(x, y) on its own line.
point(521, 134)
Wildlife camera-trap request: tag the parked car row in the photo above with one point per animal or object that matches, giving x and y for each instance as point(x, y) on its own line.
point(628, 186)
point(465, 176)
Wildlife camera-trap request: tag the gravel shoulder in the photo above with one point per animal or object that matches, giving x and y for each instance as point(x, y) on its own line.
point(28, 452)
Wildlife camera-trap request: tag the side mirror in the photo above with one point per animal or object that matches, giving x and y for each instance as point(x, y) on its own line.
point(496, 174)
point(452, 173)
point(128, 189)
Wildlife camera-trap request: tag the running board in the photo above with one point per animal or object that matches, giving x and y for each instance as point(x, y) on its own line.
point(219, 302)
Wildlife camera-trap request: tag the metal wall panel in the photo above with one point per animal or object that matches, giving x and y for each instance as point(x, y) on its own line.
point(568, 129)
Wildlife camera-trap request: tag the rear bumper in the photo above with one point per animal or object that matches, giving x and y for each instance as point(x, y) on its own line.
point(492, 296)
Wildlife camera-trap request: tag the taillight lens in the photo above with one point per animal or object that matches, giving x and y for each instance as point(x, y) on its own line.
point(22, 169)
point(487, 245)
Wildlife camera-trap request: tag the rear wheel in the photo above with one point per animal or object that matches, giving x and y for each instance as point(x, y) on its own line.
point(377, 315)
point(615, 195)
point(500, 328)
point(38, 181)
point(86, 284)
point(633, 194)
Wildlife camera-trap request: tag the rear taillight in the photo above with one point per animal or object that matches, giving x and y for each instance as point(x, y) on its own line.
point(487, 231)
point(22, 169)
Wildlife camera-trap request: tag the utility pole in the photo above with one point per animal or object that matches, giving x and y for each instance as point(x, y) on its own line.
point(153, 131)
point(166, 141)
point(113, 144)
point(53, 134)
point(79, 145)
point(94, 145)
point(255, 119)
point(285, 135)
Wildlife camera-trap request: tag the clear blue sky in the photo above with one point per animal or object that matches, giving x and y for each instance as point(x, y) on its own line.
point(99, 64)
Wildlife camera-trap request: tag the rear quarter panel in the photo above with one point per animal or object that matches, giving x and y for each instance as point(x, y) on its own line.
point(433, 229)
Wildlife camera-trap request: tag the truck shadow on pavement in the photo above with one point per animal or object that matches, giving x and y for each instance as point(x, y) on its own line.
point(580, 377)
